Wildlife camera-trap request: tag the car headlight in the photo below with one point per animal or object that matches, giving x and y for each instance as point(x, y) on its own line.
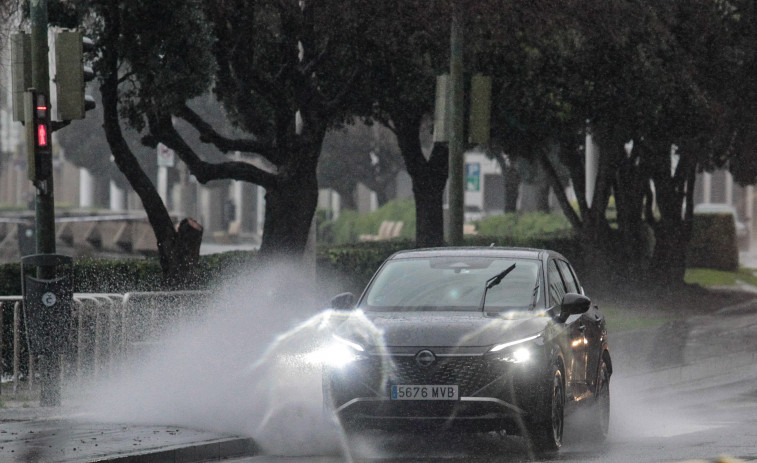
point(519, 351)
point(339, 353)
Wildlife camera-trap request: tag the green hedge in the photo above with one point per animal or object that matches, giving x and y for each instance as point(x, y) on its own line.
point(713, 243)
point(532, 224)
point(125, 275)
point(352, 265)
point(96, 276)
point(356, 263)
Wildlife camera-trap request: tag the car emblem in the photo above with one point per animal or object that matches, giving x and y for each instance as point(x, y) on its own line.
point(425, 358)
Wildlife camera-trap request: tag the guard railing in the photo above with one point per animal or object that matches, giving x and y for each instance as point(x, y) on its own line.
point(106, 330)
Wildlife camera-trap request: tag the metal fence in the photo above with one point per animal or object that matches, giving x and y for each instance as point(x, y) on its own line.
point(105, 330)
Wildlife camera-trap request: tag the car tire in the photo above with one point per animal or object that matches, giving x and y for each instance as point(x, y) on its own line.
point(546, 428)
point(599, 425)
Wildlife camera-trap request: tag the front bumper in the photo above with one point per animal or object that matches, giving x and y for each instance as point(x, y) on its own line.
point(493, 394)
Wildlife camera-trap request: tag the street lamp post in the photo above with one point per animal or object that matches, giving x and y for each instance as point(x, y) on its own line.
point(456, 139)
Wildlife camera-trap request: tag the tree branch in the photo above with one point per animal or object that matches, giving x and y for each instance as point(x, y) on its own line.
point(312, 65)
point(163, 130)
point(125, 77)
point(334, 103)
point(559, 191)
point(209, 135)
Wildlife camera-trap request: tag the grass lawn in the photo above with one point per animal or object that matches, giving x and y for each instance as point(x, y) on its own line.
point(619, 319)
point(642, 310)
point(707, 277)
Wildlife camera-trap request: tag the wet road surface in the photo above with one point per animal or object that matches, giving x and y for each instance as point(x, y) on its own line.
point(702, 407)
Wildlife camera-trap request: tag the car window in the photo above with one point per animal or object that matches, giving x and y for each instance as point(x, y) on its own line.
point(556, 285)
point(568, 277)
point(452, 283)
point(575, 278)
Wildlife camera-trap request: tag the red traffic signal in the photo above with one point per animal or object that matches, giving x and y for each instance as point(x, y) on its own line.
point(38, 135)
point(41, 121)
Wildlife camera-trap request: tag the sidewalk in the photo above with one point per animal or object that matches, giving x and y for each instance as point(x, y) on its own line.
point(32, 434)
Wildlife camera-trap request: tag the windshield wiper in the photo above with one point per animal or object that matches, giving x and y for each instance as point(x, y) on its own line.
point(494, 281)
point(535, 295)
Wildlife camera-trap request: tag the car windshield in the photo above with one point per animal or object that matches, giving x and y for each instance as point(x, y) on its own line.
point(452, 283)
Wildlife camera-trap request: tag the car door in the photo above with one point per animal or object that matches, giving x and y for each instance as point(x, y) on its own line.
point(593, 324)
point(574, 346)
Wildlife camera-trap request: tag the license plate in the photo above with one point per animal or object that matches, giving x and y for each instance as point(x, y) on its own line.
point(424, 392)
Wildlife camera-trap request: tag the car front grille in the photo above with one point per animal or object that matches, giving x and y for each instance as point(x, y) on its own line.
point(469, 373)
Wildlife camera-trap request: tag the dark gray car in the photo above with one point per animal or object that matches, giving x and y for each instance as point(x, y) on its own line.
point(482, 339)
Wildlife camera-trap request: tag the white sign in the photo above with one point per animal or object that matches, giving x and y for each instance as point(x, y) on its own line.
point(49, 299)
point(166, 156)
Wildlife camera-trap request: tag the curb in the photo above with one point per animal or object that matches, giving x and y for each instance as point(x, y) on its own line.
point(210, 451)
point(706, 369)
point(742, 308)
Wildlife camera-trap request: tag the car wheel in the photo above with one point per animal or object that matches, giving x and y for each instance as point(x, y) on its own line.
point(546, 429)
point(599, 425)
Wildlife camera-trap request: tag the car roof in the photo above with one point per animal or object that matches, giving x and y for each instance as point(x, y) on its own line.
point(475, 251)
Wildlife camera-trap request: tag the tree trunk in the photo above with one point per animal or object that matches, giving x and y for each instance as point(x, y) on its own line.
point(542, 197)
point(598, 257)
point(178, 251)
point(511, 179)
point(346, 192)
point(512, 189)
point(429, 217)
point(183, 250)
point(429, 178)
point(559, 190)
point(669, 259)
point(630, 191)
point(292, 199)
point(289, 209)
point(672, 232)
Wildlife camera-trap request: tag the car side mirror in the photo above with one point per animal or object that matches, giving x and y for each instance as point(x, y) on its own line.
point(573, 304)
point(343, 301)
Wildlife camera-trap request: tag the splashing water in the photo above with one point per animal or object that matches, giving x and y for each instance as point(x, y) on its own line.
point(241, 368)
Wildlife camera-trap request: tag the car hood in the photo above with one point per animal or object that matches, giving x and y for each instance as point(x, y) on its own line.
point(455, 329)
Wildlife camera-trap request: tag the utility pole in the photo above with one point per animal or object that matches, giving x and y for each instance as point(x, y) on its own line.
point(456, 140)
point(49, 365)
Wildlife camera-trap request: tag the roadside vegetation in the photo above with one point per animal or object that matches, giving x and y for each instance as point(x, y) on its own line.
point(350, 225)
point(709, 278)
point(624, 319)
point(525, 225)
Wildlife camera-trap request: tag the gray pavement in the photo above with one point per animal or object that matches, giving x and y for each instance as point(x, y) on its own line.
point(30, 434)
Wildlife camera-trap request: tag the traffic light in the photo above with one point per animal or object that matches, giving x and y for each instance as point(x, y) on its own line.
point(21, 70)
point(38, 136)
point(70, 75)
point(480, 109)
